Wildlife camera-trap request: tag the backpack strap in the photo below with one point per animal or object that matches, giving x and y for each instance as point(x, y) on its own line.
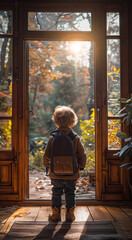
point(72, 135)
point(54, 133)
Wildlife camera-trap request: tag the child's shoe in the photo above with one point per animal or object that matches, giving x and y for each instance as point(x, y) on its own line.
point(55, 216)
point(70, 217)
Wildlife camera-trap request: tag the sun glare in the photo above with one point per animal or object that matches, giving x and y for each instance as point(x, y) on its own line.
point(75, 47)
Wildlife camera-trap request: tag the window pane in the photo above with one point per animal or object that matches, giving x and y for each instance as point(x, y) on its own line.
point(6, 25)
point(5, 77)
point(114, 126)
point(113, 76)
point(58, 21)
point(113, 23)
point(5, 134)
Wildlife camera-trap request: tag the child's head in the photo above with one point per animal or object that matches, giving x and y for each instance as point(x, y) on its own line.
point(64, 117)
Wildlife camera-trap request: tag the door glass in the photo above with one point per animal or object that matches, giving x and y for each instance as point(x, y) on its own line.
point(5, 134)
point(59, 21)
point(113, 76)
point(6, 77)
point(6, 23)
point(114, 126)
point(113, 79)
point(60, 73)
point(113, 23)
point(6, 62)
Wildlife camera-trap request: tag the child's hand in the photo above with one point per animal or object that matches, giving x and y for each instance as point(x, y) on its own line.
point(47, 171)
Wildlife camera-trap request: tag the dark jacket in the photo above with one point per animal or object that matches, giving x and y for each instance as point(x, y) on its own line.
point(79, 152)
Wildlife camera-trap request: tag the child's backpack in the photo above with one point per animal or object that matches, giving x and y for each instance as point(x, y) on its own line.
point(63, 160)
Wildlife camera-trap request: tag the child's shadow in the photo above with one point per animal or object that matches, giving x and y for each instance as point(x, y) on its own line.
point(50, 232)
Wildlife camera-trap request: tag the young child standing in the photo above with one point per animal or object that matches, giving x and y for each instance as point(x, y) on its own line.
point(64, 118)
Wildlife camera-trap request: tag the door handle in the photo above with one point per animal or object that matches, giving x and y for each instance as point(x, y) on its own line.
point(31, 113)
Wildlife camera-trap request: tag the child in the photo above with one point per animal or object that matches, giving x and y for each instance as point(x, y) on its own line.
point(64, 118)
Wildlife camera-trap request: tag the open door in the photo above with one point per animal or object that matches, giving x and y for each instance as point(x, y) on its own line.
point(8, 111)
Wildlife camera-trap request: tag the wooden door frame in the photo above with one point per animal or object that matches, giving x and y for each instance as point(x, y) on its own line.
point(99, 33)
point(62, 37)
point(20, 86)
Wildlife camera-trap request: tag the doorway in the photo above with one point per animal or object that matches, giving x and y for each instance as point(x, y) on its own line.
point(60, 73)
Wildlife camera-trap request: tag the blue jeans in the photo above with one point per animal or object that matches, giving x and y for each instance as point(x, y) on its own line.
point(66, 186)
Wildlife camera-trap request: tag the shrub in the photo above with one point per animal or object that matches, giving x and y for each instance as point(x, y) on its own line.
point(88, 138)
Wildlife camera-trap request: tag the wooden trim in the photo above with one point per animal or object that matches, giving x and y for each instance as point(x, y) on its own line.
point(109, 154)
point(8, 35)
point(6, 7)
point(61, 36)
point(59, 6)
point(79, 203)
point(112, 37)
point(130, 64)
point(35, 203)
point(112, 196)
point(109, 7)
point(26, 122)
point(21, 110)
point(130, 49)
point(6, 155)
point(124, 82)
point(98, 101)
point(6, 117)
point(10, 197)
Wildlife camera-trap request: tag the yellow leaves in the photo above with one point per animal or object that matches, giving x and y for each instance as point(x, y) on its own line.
point(114, 72)
point(113, 128)
point(109, 74)
point(6, 129)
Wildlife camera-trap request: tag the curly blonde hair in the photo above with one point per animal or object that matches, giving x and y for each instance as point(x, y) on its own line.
point(64, 116)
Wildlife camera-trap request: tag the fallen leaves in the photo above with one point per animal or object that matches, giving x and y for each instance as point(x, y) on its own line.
point(83, 185)
point(40, 188)
point(42, 184)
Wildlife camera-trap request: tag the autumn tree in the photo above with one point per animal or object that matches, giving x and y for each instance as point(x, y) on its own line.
point(65, 81)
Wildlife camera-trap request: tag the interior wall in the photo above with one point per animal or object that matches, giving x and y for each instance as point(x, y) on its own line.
point(130, 59)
